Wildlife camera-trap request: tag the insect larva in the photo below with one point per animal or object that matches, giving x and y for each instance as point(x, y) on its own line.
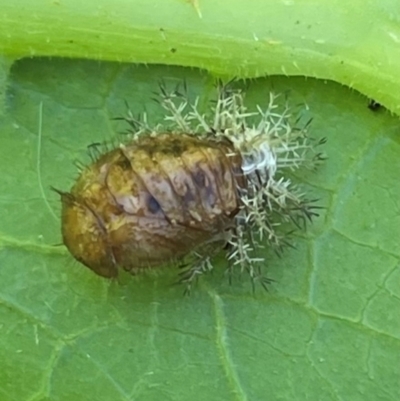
point(148, 202)
point(181, 194)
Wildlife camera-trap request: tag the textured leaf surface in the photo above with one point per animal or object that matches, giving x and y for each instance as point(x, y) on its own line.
point(354, 44)
point(328, 330)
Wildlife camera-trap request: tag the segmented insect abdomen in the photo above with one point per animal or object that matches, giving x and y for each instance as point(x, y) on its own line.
point(150, 201)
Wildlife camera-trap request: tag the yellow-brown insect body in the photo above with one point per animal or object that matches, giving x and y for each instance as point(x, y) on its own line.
point(151, 201)
point(205, 183)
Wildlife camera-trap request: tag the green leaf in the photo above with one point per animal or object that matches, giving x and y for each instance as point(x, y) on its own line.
point(357, 45)
point(329, 328)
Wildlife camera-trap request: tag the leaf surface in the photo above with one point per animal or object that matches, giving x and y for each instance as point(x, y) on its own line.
point(329, 328)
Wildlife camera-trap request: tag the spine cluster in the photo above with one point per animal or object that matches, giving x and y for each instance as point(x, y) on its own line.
point(270, 145)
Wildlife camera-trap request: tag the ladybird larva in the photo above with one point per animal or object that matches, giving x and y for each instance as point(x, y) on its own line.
point(150, 201)
point(180, 193)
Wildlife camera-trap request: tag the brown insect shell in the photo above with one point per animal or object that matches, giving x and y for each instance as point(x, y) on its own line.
point(151, 201)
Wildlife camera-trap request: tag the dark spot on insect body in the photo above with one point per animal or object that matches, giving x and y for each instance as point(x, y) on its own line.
point(199, 177)
point(123, 162)
point(189, 196)
point(166, 144)
point(153, 205)
point(176, 147)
